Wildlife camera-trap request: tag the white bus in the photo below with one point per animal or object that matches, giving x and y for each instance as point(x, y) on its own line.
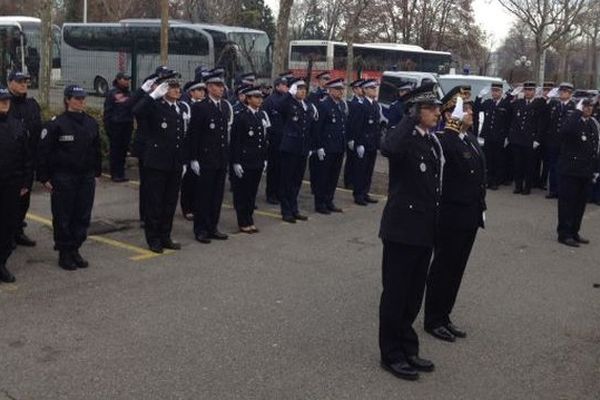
point(93, 53)
point(370, 59)
point(20, 46)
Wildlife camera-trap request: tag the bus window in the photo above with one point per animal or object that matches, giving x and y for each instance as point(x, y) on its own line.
point(388, 91)
point(305, 53)
point(187, 41)
point(340, 56)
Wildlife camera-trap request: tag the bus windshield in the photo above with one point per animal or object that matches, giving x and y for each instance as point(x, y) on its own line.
point(253, 51)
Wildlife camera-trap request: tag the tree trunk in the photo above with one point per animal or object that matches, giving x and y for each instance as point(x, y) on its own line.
point(164, 32)
point(595, 71)
point(45, 73)
point(281, 37)
point(540, 55)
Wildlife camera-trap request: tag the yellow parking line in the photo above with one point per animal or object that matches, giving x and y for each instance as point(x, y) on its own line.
point(141, 253)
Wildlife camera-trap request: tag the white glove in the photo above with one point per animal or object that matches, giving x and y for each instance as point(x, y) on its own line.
point(360, 151)
point(321, 154)
point(238, 170)
point(160, 91)
point(484, 91)
point(266, 165)
point(147, 86)
point(184, 171)
point(310, 153)
point(351, 145)
point(458, 112)
point(595, 177)
point(517, 91)
point(195, 166)
point(506, 142)
point(536, 144)
point(553, 92)
point(580, 105)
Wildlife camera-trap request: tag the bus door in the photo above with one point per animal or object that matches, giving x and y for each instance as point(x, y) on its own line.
point(12, 50)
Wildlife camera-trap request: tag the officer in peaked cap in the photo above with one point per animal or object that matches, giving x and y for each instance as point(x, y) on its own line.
point(27, 110)
point(331, 141)
point(397, 109)
point(15, 178)
point(240, 102)
point(353, 108)
point(164, 156)
point(248, 78)
point(209, 147)
point(69, 160)
point(320, 92)
point(408, 230)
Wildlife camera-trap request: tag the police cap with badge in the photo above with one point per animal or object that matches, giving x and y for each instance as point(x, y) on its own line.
point(215, 76)
point(251, 91)
point(425, 95)
point(4, 94)
point(196, 84)
point(75, 91)
point(18, 76)
point(335, 84)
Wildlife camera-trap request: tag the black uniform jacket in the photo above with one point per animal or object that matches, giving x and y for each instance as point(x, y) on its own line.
point(249, 139)
point(330, 133)
point(209, 133)
point(579, 146)
point(27, 110)
point(496, 119)
point(524, 123)
point(15, 157)
point(298, 127)
point(555, 115)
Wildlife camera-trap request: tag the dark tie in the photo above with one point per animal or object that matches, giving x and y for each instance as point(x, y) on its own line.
point(174, 108)
point(219, 106)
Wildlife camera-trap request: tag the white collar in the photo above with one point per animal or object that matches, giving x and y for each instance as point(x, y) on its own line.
point(370, 99)
point(421, 131)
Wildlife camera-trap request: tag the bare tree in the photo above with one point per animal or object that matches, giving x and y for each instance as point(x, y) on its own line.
point(548, 21)
point(355, 10)
point(45, 52)
point(590, 25)
point(281, 36)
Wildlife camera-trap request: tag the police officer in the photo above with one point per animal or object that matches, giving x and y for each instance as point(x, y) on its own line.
point(397, 109)
point(543, 104)
point(15, 177)
point(209, 146)
point(461, 215)
point(320, 91)
point(26, 110)
point(494, 131)
point(354, 112)
point(195, 92)
point(118, 121)
point(366, 133)
point(523, 138)
point(248, 156)
point(330, 143)
point(297, 144)
point(272, 106)
point(69, 161)
point(559, 111)
point(408, 228)
point(164, 156)
point(577, 168)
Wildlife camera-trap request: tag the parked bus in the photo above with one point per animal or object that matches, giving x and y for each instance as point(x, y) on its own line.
point(20, 46)
point(370, 59)
point(93, 53)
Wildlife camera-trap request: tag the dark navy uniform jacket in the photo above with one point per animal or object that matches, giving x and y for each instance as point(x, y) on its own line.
point(330, 131)
point(579, 146)
point(395, 112)
point(556, 113)
point(272, 105)
point(496, 119)
point(415, 165)
point(354, 114)
point(524, 123)
point(27, 110)
point(317, 95)
point(69, 144)
point(249, 138)
point(209, 133)
point(365, 125)
point(165, 147)
point(238, 107)
point(16, 165)
point(298, 126)
point(118, 105)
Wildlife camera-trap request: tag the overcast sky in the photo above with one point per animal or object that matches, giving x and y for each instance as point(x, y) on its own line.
point(489, 13)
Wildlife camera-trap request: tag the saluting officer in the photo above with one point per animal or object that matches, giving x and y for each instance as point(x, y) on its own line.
point(196, 92)
point(248, 156)
point(330, 139)
point(408, 229)
point(320, 91)
point(397, 109)
point(577, 168)
point(559, 111)
point(354, 112)
point(273, 107)
point(494, 131)
point(164, 156)
point(118, 121)
point(297, 143)
point(461, 215)
point(240, 102)
point(366, 133)
point(27, 110)
point(209, 146)
point(15, 178)
point(523, 138)
point(69, 161)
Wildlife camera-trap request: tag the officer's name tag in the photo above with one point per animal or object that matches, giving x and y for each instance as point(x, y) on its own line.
point(66, 138)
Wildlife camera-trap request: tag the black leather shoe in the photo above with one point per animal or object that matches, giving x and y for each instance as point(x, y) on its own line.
point(323, 210)
point(526, 192)
point(581, 240)
point(420, 364)
point(371, 200)
point(6, 275)
point(442, 333)
point(156, 247)
point(23, 240)
point(120, 179)
point(301, 217)
point(289, 219)
point(517, 191)
point(66, 261)
point(456, 331)
point(493, 187)
point(272, 200)
point(171, 245)
point(569, 242)
point(552, 196)
point(360, 202)
point(334, 209)
point(401, 370)
point(218, 235)
point(202, 237)
point(80, 261)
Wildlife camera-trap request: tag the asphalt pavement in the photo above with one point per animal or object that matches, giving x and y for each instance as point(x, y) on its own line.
point(291, 312)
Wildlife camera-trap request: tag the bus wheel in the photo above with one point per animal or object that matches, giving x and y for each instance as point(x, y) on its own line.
point(100, 86)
